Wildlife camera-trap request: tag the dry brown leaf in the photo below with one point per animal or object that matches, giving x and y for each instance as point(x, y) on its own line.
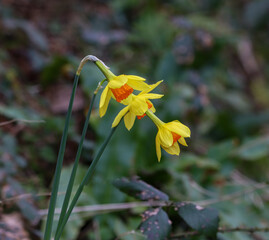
point(12, 228)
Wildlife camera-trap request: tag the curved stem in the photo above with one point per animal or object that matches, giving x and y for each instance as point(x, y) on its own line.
point(75, 166)
point(100, 64)
point(55, 185)
point(82, 184)
point(158, 122)
point(59, 164)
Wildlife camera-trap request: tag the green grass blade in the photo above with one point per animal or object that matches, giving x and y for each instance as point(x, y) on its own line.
point(82, 184)
point(59, 164)
point(75, 166)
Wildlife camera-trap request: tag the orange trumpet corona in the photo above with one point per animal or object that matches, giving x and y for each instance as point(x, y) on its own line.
point(122, 92)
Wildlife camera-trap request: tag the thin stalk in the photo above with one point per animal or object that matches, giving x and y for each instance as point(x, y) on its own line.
point(104, 69)
point(55, 185)
point(59, 164)
point(158, 122)
point(82, 184)
point(75, 166)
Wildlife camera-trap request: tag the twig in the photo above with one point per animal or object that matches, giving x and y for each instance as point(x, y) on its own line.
point(101, 208)
point(244, 229)
point(20, 120)
point(109, 207)
point(26, 195)
point(133, 232)
point(224, 230)
point(232, 196)
point(241, 179)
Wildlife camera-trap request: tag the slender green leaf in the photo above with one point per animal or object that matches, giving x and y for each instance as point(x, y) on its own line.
point(75, 166)
point(85, 180)
point(59, 164)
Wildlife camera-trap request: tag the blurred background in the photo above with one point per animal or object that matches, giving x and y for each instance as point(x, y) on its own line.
point(213, 58)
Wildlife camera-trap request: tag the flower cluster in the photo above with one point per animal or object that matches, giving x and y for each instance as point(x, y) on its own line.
point(121, 89)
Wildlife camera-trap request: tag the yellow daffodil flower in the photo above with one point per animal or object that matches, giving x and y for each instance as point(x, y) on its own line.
point(169, 135)
point(137, 105)
point(120, 87)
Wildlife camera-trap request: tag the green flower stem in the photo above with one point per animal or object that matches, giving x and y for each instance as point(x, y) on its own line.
point(158, 122)
point(100, 64)
point(82, 184)
point(99, 86)
point(75, 166)
point(59, 164)
point(105, 70)
point(55, 185)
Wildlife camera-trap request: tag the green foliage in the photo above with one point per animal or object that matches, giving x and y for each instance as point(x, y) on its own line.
point(153, 26)
point(204, 220)
point(139, 189)
point(52, 71)
point(155, 221)
point(212, 56)
point(254, 149)
point(155, 224)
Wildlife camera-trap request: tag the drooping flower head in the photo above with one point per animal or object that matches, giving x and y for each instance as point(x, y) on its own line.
point(169, 135)
point(120, 88)
point(137, 105)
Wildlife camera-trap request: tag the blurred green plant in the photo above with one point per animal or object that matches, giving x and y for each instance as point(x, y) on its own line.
point(214, 67)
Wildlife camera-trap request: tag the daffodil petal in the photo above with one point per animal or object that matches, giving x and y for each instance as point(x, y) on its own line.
point(117, 81)
point(152, 95)
point(135, 78)
point(152, 86)
point(179, 128)
point(182, 141)
point(129, 120)
point(128, 100)
point(103, 96)
point(119, 116)
point(158, 147)
point(166, 137)
point(138, 85)
point(103, 108)
point(173, 150)
point(138, 106)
